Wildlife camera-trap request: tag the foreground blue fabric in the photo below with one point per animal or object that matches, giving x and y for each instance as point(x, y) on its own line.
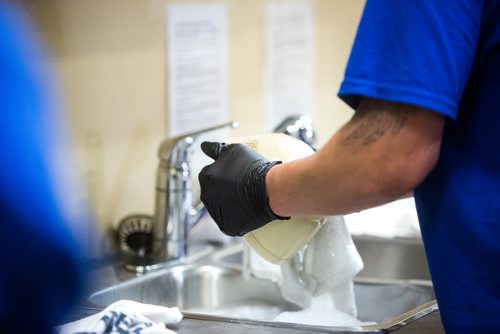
point(39, 271)
point(445, 56)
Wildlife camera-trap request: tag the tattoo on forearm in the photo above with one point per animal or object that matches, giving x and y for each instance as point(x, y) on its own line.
point(372, 124)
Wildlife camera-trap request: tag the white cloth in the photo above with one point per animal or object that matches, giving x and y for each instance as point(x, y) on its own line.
point(319, 278)
point(126, 316)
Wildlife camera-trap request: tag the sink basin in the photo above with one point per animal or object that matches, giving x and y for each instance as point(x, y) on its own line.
point(217, 289)
point(205, 289)
point(397, 258)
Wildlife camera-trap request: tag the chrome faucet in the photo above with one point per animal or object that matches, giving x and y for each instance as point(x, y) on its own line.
point(300, 127)
point(166, 232)
point(174, 212)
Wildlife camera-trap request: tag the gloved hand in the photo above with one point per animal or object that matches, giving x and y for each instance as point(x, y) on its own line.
point(233, 188)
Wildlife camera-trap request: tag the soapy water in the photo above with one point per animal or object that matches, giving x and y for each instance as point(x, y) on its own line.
point(258, 310)
point(317, 317)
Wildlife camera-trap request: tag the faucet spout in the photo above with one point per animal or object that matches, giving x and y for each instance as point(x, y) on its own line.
point(174, 212)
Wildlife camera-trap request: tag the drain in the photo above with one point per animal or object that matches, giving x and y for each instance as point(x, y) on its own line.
point(135, 235)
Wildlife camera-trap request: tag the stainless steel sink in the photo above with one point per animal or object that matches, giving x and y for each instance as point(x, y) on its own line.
point(206, 289)
point(397, 258)
point(383, 258)
point(216, 288)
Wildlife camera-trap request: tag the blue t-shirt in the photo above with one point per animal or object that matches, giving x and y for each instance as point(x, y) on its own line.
point(40, 270)
point(445, 56)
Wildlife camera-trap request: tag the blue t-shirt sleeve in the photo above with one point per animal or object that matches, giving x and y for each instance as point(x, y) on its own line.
point(414, 52)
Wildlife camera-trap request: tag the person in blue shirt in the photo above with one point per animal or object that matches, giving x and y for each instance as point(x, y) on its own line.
point(41, 268)
point(424, 80)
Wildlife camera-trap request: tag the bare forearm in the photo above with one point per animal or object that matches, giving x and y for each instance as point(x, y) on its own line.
point(384, 151)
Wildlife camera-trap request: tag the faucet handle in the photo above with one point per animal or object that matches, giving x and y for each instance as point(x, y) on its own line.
point(168, 144)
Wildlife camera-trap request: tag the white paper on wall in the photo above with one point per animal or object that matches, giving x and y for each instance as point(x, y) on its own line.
point(197, 66)
point(289, 62)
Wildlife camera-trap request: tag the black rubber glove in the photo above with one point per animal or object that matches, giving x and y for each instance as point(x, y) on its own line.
point(233, 188)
